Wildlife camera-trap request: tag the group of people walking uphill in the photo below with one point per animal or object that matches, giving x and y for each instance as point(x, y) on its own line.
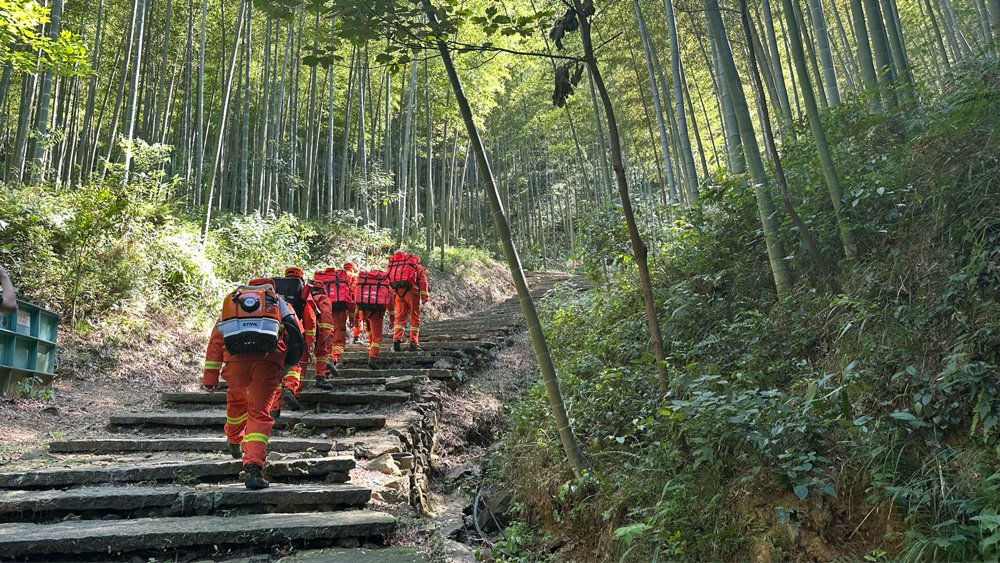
point(271, 329)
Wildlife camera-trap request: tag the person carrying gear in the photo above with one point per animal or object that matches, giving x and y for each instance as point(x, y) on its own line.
point(373, 296)
point(333, 295)
point(409, 280)
point(355, 321)
point(293, 289)
point(255, 342)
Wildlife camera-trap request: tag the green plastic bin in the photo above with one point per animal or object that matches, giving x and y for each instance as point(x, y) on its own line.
point(27, 347)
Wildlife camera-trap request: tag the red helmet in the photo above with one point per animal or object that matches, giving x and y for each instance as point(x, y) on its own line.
point(262, 281)
point(349, 266)
point(294, 272)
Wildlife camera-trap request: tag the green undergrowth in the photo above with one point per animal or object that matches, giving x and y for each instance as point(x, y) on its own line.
point(813, 426)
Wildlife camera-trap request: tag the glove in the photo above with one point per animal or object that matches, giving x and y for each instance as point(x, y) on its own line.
point(211, 389)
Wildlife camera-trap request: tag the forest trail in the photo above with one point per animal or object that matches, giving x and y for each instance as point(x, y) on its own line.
point(158, 484)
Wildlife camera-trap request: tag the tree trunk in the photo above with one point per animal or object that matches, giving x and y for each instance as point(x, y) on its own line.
point(638, 246)
point(819, 134)
point(765, 205)
point(42, 121)
point(647, 49)
point(226, 95)
point(773, 149)
point(690, 174)
point(825, 55)
point(868, 74)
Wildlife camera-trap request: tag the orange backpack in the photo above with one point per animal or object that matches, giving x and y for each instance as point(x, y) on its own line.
point(402, 271)
point(372, 292)
point(250, 322)
point(336, 285)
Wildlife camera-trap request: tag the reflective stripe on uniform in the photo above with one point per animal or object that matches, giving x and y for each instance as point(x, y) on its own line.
point(398, 327)
point(338, 348)
point(213, 365)
point(327, 326)
point(295, 374)
point(424, 293)
point(322, 358)
point(255, 437)
point(376, 345)
point(414, 329)
point(238, 419)
point(311, 332)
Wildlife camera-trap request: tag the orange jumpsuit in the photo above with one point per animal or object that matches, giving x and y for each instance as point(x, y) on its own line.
point(408, 305)
point(251, 379)
point(357, 319)
point(293, 379)
point(332, 332)
point(373, 322)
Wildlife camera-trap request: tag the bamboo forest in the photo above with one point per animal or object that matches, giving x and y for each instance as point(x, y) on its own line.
point(499, 280)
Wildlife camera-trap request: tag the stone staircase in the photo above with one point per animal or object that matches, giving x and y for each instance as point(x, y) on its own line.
point(158, 485)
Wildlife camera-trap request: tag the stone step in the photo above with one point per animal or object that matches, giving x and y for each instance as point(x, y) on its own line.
point(388, 373)
point(334, 468)
point(472, 346)
point(218, 418)
point(122, 536)
point(179, 444)
point(308, 396)
point(176, 500)
point(358, 360)
point(361, 378)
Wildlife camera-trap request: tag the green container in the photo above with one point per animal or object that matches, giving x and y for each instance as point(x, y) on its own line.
point(27, 348)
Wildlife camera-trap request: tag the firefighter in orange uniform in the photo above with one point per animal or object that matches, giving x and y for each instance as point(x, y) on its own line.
point(374, 323)
point(251, 379)
point(333, 335)
point(291, 384)
point(408, 303)
point(355, 321)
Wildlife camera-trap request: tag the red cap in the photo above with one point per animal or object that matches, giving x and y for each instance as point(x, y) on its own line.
point(294, 272)
point(349, 266)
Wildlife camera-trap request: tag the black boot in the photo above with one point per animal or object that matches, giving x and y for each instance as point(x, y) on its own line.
point(397, 346)
point(253, 477)
point(235, 450)
point(332, 369)
point(275, 414)
point(322, 383)
point(414, 347)
point(290, 400)
point(372, 364)
point(357, 339)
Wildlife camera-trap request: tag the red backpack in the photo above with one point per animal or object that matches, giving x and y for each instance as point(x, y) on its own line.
point(336, 285)
point(402, 271)
point(372, 292)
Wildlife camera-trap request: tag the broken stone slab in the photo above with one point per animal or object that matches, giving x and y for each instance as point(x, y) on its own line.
point(218, 418)
point(372, 449)
point(179, 444)
point(405, 383)
point(122, 536)
point(179, 499)
point(390, 496)
point(169, 472)
point(384, 464)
